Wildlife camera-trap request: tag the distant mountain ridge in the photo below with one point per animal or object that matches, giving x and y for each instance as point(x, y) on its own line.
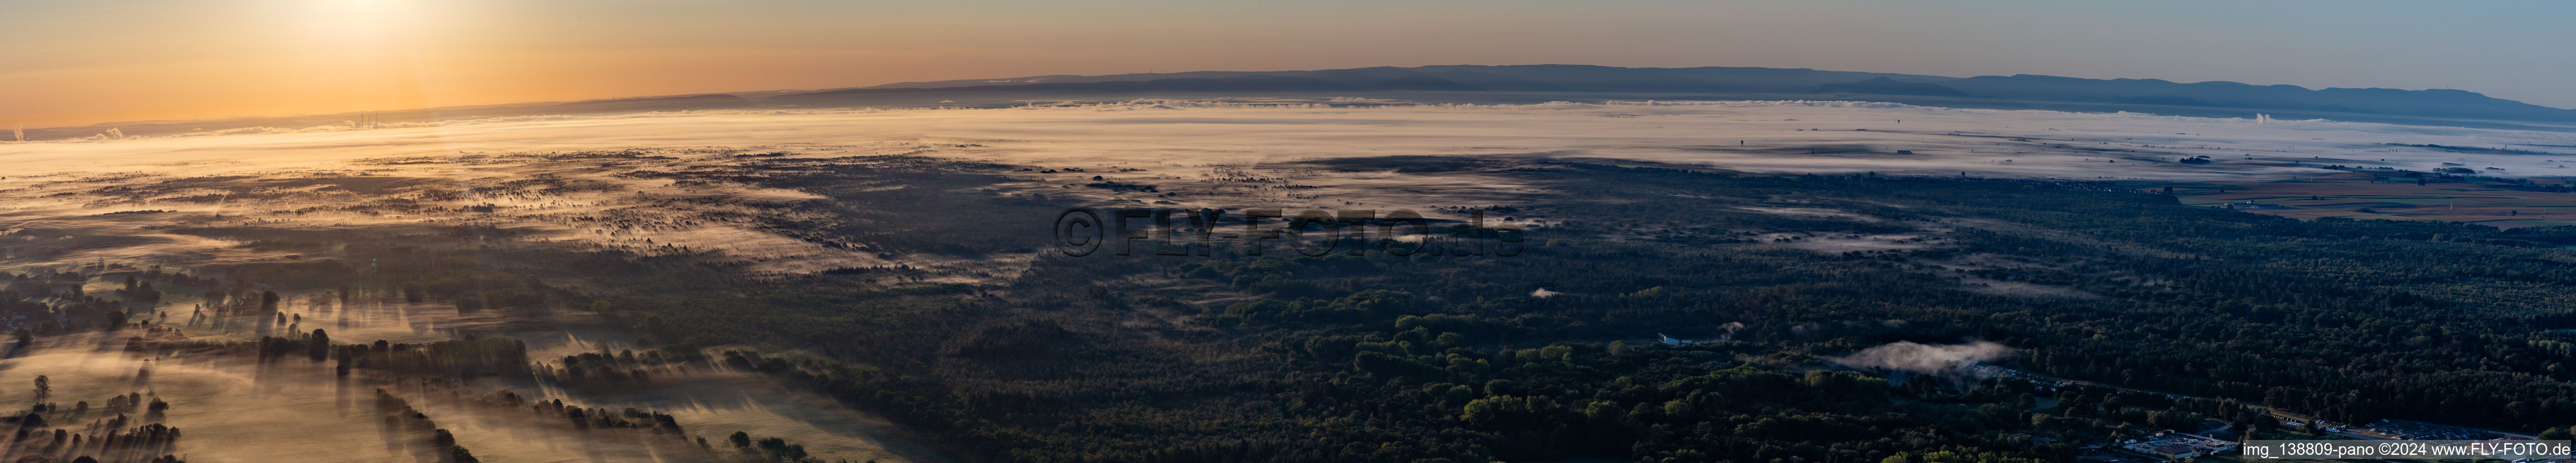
point(1246, 83)
point(2149, 94)
point(1886, 86)
point(1532, 84)
point(2433, 102)
point(1534, 77)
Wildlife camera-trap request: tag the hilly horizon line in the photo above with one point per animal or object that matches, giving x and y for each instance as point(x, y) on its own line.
point(2016, 91)
point(911, 84)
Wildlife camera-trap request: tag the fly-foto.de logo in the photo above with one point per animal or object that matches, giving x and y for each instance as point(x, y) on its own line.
point(1085, 231)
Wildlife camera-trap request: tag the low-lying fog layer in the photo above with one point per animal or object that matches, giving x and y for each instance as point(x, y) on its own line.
point(549, 174)
point(233, 408)
point(595, 183)
point(1793, 136)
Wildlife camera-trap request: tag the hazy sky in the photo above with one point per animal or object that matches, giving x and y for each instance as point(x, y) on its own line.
point(79, 62)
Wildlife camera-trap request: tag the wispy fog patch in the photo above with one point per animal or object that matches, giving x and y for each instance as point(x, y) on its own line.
point(1727, 331)
point(1908, 356)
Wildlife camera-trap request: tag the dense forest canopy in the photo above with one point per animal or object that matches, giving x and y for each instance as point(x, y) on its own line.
point(2159, 315)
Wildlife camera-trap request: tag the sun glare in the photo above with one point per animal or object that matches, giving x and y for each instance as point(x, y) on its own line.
point(364, 53)
point(358, 23)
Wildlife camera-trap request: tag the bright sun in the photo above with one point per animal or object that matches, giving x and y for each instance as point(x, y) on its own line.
point(359, 22)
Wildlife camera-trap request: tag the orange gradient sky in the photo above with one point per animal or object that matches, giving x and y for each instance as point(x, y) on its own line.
point(75, 63)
